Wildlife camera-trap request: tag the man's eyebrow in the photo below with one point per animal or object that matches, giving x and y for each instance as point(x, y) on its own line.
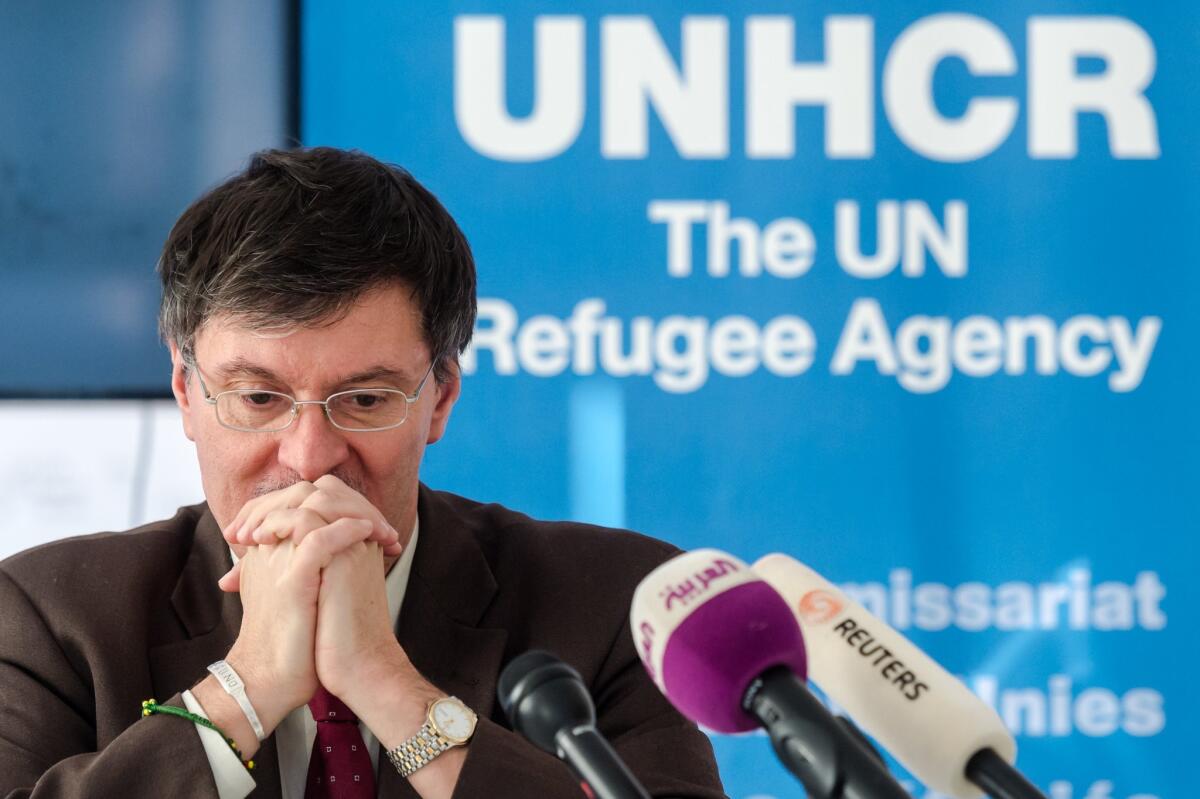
point(241, 367)
point(376, 373)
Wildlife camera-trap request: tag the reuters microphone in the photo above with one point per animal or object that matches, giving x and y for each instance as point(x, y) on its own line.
point(947, 737)
point(727, 652)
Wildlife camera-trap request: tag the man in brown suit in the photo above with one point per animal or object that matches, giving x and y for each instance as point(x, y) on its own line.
point(320, 277)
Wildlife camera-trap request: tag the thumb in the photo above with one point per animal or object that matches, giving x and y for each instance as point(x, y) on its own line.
point(231, 581)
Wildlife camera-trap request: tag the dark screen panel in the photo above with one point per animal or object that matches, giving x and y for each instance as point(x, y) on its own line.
point(116, 116)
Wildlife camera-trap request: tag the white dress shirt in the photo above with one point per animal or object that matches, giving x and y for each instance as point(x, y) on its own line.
point(295, 734)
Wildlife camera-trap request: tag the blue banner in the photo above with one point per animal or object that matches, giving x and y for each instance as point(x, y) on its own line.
point(901, 290)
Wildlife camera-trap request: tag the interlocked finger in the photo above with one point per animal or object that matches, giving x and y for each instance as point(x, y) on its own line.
point(321, 546)
point(294, 523)
point(338, 502)
point(240, 530)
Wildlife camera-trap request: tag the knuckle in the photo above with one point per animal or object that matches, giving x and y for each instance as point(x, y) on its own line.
point(318, 537)
point(343, 525)
point(296, 493)
point(330, 482)
point(317, 499)
point(308, 517)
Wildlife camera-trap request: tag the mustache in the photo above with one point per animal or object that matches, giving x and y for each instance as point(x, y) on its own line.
point(279, 482)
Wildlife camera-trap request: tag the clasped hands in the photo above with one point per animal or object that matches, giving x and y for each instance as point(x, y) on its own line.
point(314, 608)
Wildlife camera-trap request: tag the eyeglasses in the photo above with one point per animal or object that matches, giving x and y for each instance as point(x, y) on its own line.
point(359, 410)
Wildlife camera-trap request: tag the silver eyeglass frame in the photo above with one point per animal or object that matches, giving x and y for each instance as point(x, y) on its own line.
point(296, 403)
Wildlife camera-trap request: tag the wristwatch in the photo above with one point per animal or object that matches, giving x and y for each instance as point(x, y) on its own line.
point(448, 723)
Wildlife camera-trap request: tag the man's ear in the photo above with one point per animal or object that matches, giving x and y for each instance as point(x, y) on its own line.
point(446, 396)
point(179, 386)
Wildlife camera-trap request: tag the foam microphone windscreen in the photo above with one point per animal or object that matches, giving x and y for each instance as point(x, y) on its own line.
point(705, 626)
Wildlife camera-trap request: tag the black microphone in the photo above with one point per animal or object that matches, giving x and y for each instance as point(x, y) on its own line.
point(547, 702)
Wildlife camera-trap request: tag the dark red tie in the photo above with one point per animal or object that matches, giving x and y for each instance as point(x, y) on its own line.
point(340, 767)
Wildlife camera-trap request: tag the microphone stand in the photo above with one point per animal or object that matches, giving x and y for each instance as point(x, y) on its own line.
point(830, 762)
point(998, 778)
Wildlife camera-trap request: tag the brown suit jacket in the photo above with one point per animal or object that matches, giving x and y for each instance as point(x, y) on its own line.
point(91, 626)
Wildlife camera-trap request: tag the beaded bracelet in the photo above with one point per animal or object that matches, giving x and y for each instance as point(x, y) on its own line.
point(150, 707)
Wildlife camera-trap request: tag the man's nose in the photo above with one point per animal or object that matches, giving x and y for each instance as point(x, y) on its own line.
point(311, 445)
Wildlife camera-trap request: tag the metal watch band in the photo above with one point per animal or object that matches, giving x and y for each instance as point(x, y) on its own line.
point(418, 750)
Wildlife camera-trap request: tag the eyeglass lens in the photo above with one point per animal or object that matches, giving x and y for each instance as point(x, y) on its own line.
point(362, 409)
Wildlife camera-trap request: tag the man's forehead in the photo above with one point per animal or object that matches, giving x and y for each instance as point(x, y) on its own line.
point(228, 348)
point(379, 313)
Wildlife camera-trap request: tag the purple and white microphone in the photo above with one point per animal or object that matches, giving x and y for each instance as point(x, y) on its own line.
point(726, 650)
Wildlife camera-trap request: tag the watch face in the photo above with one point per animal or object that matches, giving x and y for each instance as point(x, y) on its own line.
point(453, 719)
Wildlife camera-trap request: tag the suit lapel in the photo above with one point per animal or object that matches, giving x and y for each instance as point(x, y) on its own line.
point(211, 619)
point(449, 589)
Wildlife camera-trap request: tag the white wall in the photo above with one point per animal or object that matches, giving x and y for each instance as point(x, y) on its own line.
point(72, 467)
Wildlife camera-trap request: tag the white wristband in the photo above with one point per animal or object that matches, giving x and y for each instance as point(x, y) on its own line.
point(233, 685)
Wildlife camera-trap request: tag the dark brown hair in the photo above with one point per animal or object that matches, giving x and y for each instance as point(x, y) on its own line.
point(300, 234)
